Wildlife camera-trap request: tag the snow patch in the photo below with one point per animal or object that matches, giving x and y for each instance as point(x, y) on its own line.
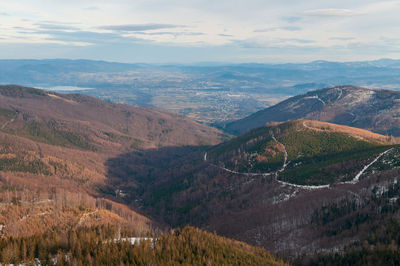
point(357, 177)
point(315, 97)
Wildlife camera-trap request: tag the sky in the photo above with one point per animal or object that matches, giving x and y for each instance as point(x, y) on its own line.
point(191, 31)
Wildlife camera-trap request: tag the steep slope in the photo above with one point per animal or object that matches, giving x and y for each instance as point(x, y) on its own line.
point(375, 110)
point(45, 187)
point(268, 186)
point(53, 150)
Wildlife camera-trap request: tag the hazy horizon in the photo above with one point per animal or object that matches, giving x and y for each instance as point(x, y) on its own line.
point(202, 63)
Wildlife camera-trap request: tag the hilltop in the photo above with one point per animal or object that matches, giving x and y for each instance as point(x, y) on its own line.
point(371, 109)
point(303, 152)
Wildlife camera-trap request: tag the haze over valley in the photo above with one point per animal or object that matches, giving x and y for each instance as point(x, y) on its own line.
point(210, 94)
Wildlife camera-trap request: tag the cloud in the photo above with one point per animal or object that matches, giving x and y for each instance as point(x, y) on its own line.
point(4, 14)
point(287, 28)
point(225, 35)
point(50, 26)
point(341, 38)
point(140, 27)
point(331, 12)
point(182, 33)
point(280, 43)
point(87, 37)
point(91, 8)
point(292, 19)
point(295, 40)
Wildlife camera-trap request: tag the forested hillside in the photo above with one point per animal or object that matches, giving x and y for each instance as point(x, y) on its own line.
point(267, 187)
point(53, 150)
point(110, 246)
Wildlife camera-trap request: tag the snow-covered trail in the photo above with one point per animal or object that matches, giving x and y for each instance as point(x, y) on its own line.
point(340, 94)
point(285, 163)
point(315, 97)
point(307, 187)
point(355, 118)
point(357, 177)
point(242, 173)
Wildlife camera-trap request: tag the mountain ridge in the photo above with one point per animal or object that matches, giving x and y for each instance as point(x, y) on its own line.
point(371, 109)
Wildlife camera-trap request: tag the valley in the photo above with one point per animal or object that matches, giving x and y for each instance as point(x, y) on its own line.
point(200, 133)
point(302, 189)
point(249, 189)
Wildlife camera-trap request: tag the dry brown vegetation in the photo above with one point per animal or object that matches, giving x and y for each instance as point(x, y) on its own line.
point(53, 150)
point(359, 133)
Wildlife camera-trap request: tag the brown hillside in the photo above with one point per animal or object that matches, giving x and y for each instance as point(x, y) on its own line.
point(359, 133)
point(85, 122)
point(53, 151)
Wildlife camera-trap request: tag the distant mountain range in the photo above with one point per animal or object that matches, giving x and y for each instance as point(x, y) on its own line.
point(207, 93)
point(372, 109)
point(49, 71)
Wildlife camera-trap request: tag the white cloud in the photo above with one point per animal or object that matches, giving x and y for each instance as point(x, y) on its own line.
point(331, 12)
point(140, 27)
